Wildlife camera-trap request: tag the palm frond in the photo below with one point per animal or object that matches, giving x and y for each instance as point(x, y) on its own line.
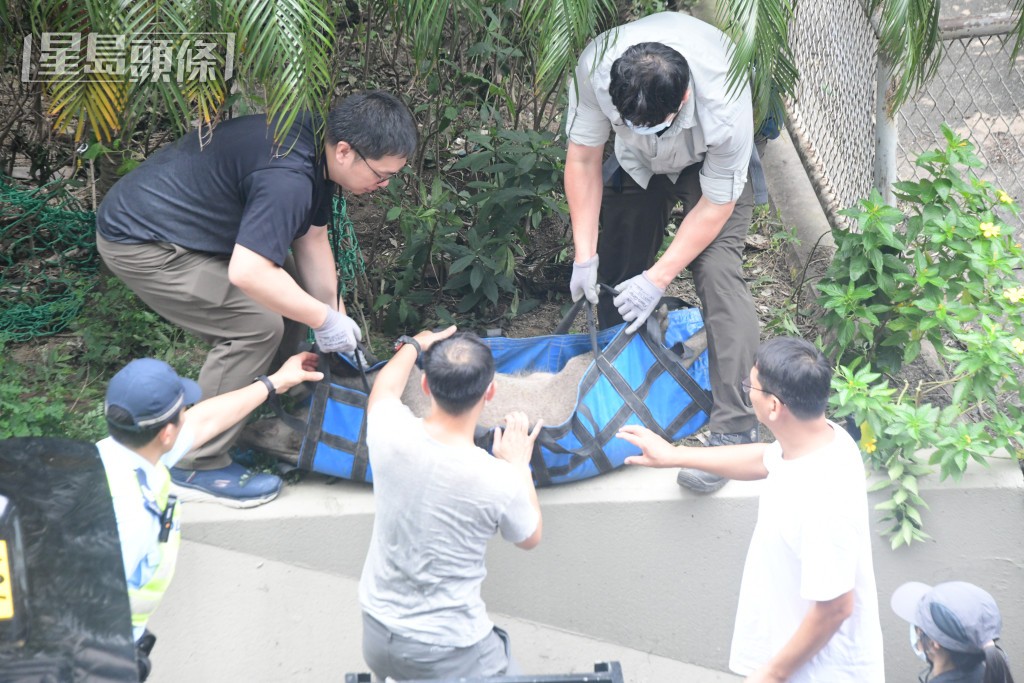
point(908, 32)
point(95, 104)
point(564, 28)
point(422, 23)
point(1018, 29)
point(144, 20)
point(285, 45)
point(761, 54)
point(204, 89)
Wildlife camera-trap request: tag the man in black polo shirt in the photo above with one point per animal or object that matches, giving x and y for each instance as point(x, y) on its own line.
point(202, 234)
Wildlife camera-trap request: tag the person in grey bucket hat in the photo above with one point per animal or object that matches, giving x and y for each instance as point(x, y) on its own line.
point(954, 627)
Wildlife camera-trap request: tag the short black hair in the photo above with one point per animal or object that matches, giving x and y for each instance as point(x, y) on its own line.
point(648, 82)
point(135, 437)
point(459, 369)
point(796, 372)
point(376, 123)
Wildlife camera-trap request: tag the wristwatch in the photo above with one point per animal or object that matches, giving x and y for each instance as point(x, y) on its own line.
point(406, 339)
point(271, 389)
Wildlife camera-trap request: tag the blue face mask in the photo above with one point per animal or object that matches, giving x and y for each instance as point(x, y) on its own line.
point(650, 130)
point(914, 642)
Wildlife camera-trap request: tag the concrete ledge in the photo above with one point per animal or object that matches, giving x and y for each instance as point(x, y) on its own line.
point(630, 564)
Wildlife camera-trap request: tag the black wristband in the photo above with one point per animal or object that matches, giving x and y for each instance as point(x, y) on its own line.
point(406, 339)
point(267, 383)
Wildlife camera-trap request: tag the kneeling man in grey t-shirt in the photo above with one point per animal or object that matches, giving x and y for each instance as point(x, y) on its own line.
point(439, 499)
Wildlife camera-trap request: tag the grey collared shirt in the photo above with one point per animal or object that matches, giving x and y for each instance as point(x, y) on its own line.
point(714, 126)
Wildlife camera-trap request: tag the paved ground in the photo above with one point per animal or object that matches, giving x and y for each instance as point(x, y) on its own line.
point(317, 633)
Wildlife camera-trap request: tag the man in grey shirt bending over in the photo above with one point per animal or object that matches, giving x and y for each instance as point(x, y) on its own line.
point(661, 85)
point(439, 499)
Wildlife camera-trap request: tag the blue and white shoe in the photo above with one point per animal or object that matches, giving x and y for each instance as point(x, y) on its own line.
point(234, 486)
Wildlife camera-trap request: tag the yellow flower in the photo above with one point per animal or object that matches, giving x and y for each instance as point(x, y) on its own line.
point(1014, 294)
point(1017, 344)
point(1003, 197)
point(989, 230)
point(867, 438)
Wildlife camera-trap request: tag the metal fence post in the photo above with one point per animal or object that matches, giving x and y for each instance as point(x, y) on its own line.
point(886, 136)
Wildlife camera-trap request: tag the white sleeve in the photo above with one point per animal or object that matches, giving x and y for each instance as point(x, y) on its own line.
point(724, 172)
point(585, 123)
point(519, 519)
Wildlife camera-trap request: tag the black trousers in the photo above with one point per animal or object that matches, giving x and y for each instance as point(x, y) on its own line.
point(633, 227)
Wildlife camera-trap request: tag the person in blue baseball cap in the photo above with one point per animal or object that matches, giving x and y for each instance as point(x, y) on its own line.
point(151, 427)
point(954, 627)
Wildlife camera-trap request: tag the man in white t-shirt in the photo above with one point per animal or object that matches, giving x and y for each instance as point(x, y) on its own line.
point(439, 500)
point(808, 607)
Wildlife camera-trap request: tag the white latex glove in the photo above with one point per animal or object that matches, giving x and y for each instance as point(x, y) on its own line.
point(636, 300)
point(584, 280)
point(338, 333)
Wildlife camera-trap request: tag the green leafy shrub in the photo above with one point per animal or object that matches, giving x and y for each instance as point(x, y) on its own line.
point(117, 327)
point(56, 387)
point(486, 95)
point(24, 411)
point(429, 228)
point(466, 242)
point(514, 178)
point(940, 270)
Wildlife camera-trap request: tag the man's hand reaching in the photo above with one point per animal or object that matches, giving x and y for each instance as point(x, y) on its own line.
point(337, 333)
point(428, 338)
point(515, 443)
point(636, 300)
point(298, 369)
point(656, 451)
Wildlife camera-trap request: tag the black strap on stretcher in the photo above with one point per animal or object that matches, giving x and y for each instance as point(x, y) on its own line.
point(313, 429)
point(582, 424)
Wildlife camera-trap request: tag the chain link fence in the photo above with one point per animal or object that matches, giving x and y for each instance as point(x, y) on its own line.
point(832, 117)
point(837, 118)
point(979, 93)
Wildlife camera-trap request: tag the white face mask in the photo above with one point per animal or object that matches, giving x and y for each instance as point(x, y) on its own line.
point(650, 130)
point(914, 642)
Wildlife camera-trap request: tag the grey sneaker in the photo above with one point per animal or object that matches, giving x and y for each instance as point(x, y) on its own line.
point(700, 481)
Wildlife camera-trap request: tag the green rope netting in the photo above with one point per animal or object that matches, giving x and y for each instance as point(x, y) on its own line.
point(47, 242)
point(345, 245)
point(348, 258)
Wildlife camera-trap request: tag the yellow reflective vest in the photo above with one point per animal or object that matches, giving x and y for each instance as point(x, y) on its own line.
point(127, 483)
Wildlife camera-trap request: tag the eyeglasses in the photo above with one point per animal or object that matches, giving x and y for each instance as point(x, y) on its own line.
point(381, 177)
point(747, 386)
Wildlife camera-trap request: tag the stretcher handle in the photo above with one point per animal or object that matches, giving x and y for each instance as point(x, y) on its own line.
point(566, 322)
point(358, 359)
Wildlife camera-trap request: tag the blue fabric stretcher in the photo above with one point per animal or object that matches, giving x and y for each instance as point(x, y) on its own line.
point(657, 377)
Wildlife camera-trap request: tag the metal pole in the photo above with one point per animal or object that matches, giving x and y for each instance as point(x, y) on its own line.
point(886, 135)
